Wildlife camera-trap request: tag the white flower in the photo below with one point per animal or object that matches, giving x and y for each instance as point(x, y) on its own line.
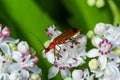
point(23, 47)
point(104, 51)
point(106, 44)
point(82, 75)
point(70, 54)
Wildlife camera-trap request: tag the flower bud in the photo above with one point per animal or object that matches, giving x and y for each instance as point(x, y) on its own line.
point(117, 50)
point(46, 44)
point(93, 64)
point(15, 76)
point(100, 3)
point(35, 59)
point(35, 76)
point(5, 32)
point(68, 78)
point(90, 34)
point(91, 2)
point(23, 47)
point(32, 50)
point(12, 46)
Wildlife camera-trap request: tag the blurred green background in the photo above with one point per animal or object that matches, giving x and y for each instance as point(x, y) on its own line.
point(26, 16)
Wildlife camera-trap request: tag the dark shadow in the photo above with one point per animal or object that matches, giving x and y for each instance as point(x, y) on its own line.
point(56, 10)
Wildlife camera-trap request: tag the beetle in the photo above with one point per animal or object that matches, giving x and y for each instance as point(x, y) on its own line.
point(62, 38)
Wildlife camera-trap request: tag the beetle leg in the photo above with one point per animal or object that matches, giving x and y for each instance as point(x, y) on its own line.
point(58, 50)
point(54, 51)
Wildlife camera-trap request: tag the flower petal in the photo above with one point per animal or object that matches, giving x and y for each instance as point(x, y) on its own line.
point(5, 77)
point(91, 77)
point(98, 73)
point(102, 62)
point(52, 72)
point(114, 69)
point(14, 67)
point(96, 40)
point(25, 74)
point(86, 73)
point(5, 48)
point(110, 34)
point(35, 69)
point(65, 73)
point(16, 56)
point(92, 53)
point(50, 57)
point(113, 56)
point(9, 39)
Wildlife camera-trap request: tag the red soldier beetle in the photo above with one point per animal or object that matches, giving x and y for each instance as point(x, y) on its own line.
point(62, 38)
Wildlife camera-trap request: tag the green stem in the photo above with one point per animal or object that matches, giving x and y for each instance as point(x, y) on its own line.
point(115, 12)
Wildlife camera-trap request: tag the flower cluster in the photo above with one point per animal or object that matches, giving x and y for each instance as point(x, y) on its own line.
point(16, 59)
point(71, 54)
point(103, 61)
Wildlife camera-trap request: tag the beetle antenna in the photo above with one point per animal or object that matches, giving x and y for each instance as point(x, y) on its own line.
point(38, 39)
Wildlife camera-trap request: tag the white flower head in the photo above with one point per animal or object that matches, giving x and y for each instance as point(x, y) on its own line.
point(70, 54)
point(14, 65)
point(105, 44)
